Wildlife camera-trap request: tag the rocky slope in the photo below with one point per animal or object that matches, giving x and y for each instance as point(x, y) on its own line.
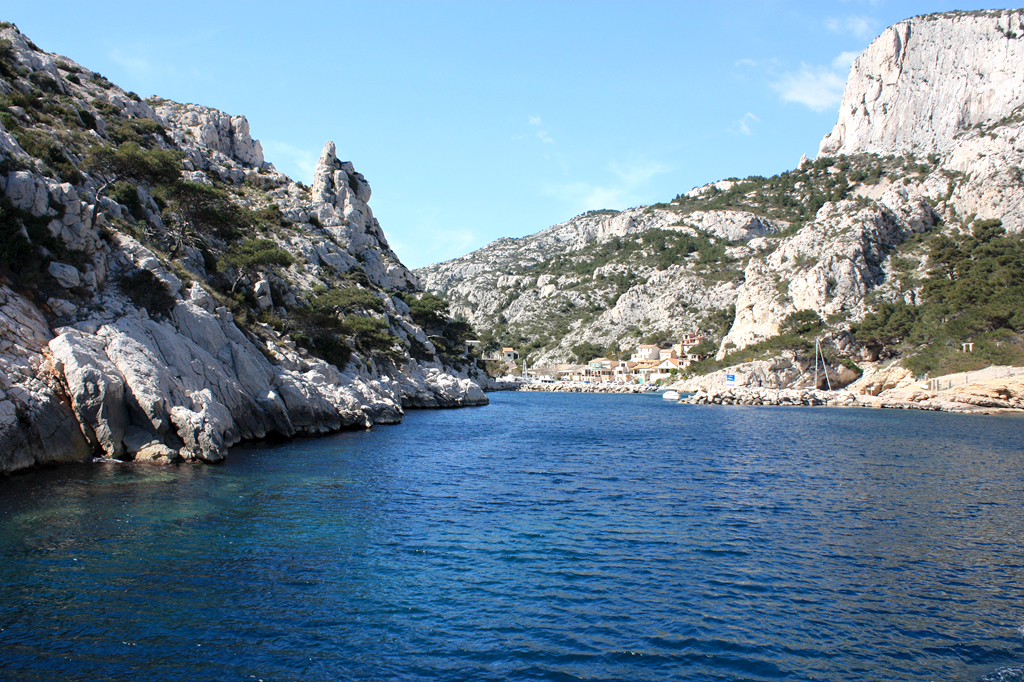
point(165, 293)
point(928, 141)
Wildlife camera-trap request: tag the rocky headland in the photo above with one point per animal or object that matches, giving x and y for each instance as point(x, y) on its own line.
point(994, 390)
point(166, 293)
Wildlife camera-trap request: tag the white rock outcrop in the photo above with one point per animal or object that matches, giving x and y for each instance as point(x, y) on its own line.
point(86, 370)
point(924, 80)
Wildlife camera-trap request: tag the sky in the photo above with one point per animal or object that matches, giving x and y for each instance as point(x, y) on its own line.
point(474, 121)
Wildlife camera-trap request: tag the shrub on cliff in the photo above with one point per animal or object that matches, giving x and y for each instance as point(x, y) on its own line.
point(348, 299)
point(800, 323)
point(147, 291)
point(427, 310)
point(251, 255)
point(21, 236)
point(974, 293)
point(131, 162)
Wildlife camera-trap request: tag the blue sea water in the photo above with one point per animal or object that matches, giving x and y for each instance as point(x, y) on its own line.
point(543, 537)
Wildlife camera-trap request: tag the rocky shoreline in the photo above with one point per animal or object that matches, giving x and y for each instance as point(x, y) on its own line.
point(971, 399)
point(769, 396)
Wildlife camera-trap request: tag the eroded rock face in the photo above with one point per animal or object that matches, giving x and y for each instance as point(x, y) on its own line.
point(947, 84)
point(339, 197)
point(86, 370)
point(193, 384)
point(926, 79)
point(213, 130)
point(481, 285)
point(828, 267)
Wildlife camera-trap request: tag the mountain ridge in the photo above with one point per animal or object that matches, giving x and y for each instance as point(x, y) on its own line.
point(845, 232)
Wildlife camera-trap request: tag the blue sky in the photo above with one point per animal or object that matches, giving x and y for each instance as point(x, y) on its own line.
point(479, 120)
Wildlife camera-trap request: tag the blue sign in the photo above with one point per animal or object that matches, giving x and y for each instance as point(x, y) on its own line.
point(730, 379)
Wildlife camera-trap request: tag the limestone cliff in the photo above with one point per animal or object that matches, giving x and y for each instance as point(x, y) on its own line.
point(924, 81)
point(945, 84)
point(166, 293)
point(929, 139)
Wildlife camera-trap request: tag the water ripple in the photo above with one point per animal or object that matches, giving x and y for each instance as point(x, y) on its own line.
point(545, 537)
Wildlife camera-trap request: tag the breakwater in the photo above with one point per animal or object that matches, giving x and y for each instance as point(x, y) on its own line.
point(578, 387)
point(967, 403)
point(743, 395)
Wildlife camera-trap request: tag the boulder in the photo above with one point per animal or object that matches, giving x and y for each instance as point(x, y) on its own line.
point(96, 390)
point(66, 275)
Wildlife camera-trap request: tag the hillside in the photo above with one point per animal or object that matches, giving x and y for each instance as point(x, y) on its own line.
point(928, 147)
point(165, 293)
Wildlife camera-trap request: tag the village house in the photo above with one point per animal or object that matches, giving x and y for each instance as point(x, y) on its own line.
point(666, 368)
point(600, 370)
point(646, 352)
point(647, 364)
point(689, 341)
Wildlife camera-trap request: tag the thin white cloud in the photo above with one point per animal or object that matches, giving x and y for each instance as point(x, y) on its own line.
point(134, 63)
point(541, 135)
point(293, 161)
point(857, 26)
point(635, 175)
point(742, 126)
point(430, 237)
point(625, 191)
point(817, 87)
point(844, 60)
point(745, 62)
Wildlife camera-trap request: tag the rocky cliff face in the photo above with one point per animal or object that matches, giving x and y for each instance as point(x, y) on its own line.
point(929, 138)
point(555, 280)
point(146, 319)
point(947, 84)
point(924, 81)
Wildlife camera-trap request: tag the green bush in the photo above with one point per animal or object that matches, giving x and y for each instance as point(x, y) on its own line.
point(201, 207)
point(21, 258)
point(705, 348)
point(801, 322)
point(427, 310)
point(332, 349)
point(974, 293)
point(585, 352)
point(141, 131)
point(127, 194)
point(42, 146)
point(147, 291)
point(130, 162)
point(349, 299)
point(44, 82)
point(254, 254)
point(372, 335)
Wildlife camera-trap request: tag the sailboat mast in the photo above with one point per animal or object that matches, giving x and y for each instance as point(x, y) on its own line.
point(815, 364)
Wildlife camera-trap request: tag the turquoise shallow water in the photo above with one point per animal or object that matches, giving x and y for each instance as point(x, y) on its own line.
point(543, 537)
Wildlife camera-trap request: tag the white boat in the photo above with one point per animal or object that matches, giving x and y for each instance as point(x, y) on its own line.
point(670, 395)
